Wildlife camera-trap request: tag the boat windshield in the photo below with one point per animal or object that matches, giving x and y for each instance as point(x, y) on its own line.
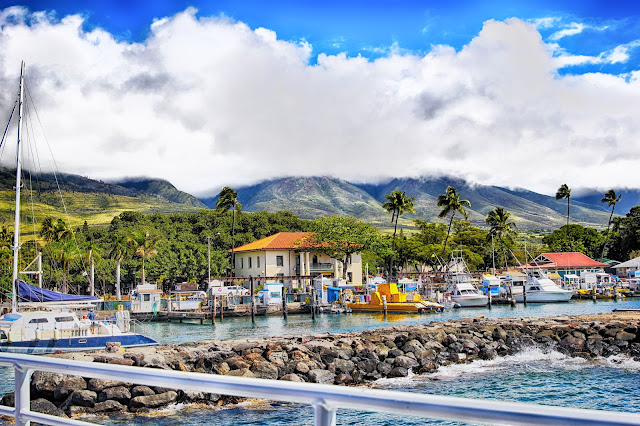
point(11, 317)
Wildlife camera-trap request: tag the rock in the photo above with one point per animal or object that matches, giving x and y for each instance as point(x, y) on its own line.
point(112, 347)
point(142, 391)
point(265, 370)
point(384, 368)
point(623, 335)
point(572, 342)
point(98, 385)
point(84, 398)
point(487, 353)
point(321, 376)
point(594, 346)
point(344, 379)
point(405, 362)
point(78, 410)
point(458, 356)
point(292, 378)
point(302, 368)
point(154, 360)
point(44, 406)
point(343, 366)
point(67, 386)
point(109, 406)
point(278, 358)
point(499, 334)
point(399, 372)
point(113, 360)
point(152, 401)
point(243, 372)
point(136, 357)
point(117, 393)
point(413, 346)
point(45, 383)
point(9, 399)
point(237, 362)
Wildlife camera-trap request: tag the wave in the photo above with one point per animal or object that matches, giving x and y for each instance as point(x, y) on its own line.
point(533, 359)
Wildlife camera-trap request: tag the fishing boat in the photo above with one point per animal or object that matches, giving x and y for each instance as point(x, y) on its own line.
point(44, 321)
point(541, 289)
point(389, 299)
point(463, 292)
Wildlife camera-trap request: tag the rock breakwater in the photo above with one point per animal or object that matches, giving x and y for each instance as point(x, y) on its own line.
point(341, 359)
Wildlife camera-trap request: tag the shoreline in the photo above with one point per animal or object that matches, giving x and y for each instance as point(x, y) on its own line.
point(350, 358)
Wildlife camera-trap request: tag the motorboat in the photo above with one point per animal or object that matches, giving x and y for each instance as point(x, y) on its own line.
point(389, 299)
point(463, 292)
point(541, 289)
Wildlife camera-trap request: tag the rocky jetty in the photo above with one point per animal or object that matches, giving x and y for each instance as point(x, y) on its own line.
point(341, 359)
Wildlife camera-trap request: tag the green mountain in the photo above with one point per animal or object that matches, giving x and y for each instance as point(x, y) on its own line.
point(320, 196)
point(83, 199)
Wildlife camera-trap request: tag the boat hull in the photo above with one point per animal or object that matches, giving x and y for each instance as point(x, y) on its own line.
point(545, 297)
point(395, 308)
point(471, 301)
point(73, 344)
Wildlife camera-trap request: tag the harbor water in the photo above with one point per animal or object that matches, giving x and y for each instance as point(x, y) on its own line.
point(533, 375)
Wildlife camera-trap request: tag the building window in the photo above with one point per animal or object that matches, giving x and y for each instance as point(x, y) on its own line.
point(315, 258)
point(242, 263)
point(249, 261)
point(258, 261)
point(279, 261)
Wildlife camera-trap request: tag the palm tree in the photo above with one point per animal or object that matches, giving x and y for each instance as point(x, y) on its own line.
point(397, 203)
point(65, 252)
point(143, 244)
point(227, 200)
point(119, 249)
point(451, 203)
point(501, 227)
point(611, 199)
point(562, 193)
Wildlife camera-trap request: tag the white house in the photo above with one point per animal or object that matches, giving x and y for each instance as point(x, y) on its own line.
point(284, 255)
point(630, 268)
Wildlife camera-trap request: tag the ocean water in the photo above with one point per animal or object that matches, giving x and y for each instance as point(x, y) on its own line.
point(532, 376)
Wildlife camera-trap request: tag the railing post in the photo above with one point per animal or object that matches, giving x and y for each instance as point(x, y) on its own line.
point(22, 394)
point(324, 415)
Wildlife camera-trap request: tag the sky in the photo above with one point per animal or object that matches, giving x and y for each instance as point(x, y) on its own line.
point(528, 94)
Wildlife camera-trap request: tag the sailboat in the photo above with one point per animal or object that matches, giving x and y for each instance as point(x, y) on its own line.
point(51, 325)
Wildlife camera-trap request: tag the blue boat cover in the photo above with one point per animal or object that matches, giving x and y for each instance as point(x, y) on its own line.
point(29, 293)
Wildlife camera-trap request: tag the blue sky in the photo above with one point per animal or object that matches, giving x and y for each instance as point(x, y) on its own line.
point(536, 84)
point(369, 27)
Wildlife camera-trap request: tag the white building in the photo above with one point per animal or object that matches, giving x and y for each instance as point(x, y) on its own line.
point(284, 255)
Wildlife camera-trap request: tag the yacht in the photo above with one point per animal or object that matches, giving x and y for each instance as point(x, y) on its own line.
point(462, 291)
point(541, 289)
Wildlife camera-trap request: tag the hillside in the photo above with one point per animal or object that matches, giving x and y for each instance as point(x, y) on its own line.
point(87, 199)
point(317, 196)
point(630, 198)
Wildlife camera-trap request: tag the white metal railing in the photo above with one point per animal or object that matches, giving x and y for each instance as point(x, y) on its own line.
point(325, 399)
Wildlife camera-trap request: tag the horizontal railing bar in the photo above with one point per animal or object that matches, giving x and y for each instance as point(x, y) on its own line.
point(359, 398)
point(48, 419)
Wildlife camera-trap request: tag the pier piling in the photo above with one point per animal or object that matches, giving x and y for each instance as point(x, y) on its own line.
point(284, 303)
point(253, 301)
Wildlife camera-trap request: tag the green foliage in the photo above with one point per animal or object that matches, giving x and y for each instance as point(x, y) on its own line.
point(562, 193)
point(451, 203)
point(341, 237)
point(611, 199)
point(575, 238)
point(625, 236)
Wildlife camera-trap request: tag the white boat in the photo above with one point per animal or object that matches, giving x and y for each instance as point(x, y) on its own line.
point(39, 327)
point(540, 289)
point(463, 292)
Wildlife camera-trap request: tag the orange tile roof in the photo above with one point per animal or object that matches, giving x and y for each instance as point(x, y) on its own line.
point(279, 241)
point(567, 260)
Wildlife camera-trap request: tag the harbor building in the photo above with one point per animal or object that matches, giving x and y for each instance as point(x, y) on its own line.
point(559, 264)
point(286, 255)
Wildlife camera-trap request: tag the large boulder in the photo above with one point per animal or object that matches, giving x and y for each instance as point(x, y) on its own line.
point(321, 376)
point(141, 391)
point(44, 406)
point(153, 401)
point(265, 370)
point(98, 385)
point(67, 386)
point(572, 342)
point(45, 383)
point(109, 406)
point(117, 393)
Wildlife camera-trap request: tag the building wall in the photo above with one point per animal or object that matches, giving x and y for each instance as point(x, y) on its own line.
point(268, 264)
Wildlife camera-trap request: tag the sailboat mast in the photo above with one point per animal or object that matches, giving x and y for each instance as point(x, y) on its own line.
point(16, 229)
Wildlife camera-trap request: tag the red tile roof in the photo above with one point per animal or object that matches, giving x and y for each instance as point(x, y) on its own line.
point(279, 241)
point(565, 260)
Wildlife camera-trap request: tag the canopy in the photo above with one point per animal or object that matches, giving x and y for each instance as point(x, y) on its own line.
point(29, 293)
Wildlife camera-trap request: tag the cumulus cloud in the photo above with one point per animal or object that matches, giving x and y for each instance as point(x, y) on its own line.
point(207, 101)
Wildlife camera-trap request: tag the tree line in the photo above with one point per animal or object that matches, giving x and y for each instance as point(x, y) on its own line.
point(173, 248)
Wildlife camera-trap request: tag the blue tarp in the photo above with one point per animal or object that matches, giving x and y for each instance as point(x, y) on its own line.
point(29, 293)
point(333, 294)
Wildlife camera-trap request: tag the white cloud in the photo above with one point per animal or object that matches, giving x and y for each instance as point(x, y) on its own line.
point(208, 102)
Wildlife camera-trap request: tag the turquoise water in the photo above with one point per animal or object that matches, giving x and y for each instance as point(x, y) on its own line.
point(241, 327)
point(531, 376)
